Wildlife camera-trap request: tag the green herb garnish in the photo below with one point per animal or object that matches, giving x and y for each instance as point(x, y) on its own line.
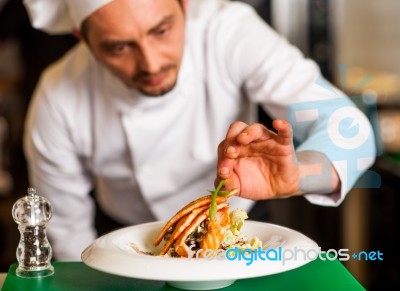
point(220, 193)
point(213, 206)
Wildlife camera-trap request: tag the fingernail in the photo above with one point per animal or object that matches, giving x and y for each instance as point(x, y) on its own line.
point(230, 150)
point(224, 171)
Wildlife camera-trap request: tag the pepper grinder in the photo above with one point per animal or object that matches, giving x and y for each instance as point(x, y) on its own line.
point(32, 214)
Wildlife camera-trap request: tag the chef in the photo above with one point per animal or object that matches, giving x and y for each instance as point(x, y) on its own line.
point(156, 104)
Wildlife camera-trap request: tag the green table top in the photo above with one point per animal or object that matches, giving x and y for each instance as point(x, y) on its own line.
point(317, 275)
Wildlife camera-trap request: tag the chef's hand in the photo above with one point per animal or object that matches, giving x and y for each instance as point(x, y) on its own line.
point(262, 164)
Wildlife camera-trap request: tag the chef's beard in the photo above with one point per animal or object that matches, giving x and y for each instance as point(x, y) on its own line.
point(159, 93)
point(142, 76)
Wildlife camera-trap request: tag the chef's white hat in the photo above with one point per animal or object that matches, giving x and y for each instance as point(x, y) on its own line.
point(61, 16)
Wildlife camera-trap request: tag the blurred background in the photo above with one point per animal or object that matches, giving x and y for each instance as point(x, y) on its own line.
point(361, 34)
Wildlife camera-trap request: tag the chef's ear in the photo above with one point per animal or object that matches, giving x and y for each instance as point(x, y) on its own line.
point(77, 33)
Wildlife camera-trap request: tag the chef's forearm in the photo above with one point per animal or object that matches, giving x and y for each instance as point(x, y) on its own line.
point(68, 244)
point(317, 174)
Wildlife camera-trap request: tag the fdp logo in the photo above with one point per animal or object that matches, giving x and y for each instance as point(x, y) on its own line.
point(343, 132)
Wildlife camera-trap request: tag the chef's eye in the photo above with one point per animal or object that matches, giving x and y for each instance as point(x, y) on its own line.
point(119, 49)
point(162, 31)
point(115, 49)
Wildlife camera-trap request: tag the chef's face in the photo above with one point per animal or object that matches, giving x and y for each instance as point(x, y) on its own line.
point(140, 41)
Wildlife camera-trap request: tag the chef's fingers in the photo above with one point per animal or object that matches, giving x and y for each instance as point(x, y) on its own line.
point(230, 184)
point(247, 140)
point(285, 132)
point(225, 170)
point(234, 129)
point(258, 132)
point(254, 139)
point(254, 133)
point(228, 150)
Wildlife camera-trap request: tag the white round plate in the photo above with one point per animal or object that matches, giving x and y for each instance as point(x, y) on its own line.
point(286, 250)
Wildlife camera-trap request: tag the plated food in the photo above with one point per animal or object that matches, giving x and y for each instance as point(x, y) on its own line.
point(206, 224)
point(131, 251)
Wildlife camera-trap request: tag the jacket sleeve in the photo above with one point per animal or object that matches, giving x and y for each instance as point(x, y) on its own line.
point(58, 172)
point(276, 75)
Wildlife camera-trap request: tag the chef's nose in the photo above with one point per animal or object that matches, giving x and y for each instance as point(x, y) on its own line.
point(150, 59)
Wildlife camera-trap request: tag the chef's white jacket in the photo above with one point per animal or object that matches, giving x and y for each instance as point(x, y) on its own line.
point(148, 156)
